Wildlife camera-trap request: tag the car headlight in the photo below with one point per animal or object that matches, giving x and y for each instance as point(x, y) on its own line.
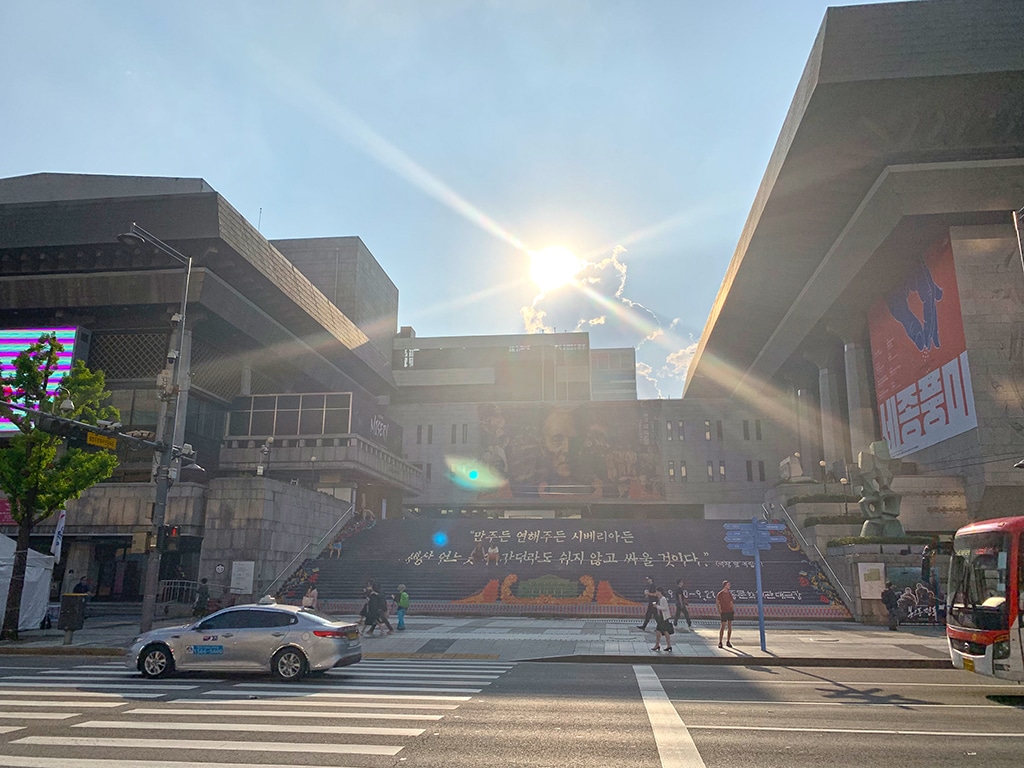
point(1001, 650)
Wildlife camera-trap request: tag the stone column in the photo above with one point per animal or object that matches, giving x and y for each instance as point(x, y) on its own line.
point(810, 430)
point(831, 417)
point(858, 397)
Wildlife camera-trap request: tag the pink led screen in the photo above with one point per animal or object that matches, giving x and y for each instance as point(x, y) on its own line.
point(14, 342)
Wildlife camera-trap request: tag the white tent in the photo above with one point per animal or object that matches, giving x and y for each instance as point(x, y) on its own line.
point(35, 597)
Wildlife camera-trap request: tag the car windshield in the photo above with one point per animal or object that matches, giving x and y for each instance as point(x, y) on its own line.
point(977, 581)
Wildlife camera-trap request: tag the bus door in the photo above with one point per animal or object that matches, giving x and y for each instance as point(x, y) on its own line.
point(1018, 654)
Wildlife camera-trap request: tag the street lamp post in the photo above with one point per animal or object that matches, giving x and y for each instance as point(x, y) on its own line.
point(264, 467)
point(173, 408)
point(843, 481)
point(824, 477)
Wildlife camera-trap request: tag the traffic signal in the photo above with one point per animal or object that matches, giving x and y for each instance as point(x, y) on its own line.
point(167, 538)
point(77, 434)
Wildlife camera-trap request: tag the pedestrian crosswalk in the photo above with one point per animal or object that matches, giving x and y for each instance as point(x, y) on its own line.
point(104, 716)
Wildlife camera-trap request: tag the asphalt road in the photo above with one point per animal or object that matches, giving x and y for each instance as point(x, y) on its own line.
point(91, 713)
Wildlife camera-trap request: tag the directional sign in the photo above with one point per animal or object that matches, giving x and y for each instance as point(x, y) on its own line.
point(738, 537)
point(777, 539)
point(737, 545)
point(773, 526)
point(736, 526)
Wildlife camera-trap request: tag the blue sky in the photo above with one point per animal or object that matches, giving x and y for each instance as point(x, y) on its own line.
point(453, 137)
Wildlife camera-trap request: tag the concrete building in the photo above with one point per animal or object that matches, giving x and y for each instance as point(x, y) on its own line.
point(876, 289)
point(287, 363)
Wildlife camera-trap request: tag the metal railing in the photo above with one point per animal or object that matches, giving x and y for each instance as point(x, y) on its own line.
point(317, 547)
point(177, 596)
point(847, 598)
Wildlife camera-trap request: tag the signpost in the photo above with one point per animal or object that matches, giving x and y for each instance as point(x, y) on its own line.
point(750, 538)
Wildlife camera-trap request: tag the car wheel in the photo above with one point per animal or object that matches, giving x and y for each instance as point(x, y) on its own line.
point(289, 664)
point(156, 661)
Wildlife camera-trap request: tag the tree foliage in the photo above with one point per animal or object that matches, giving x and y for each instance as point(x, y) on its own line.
point(37, 472)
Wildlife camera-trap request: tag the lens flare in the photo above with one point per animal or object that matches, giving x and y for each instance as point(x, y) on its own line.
point(473, 474)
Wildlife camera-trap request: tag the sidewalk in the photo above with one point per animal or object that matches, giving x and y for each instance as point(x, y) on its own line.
point(590, 640)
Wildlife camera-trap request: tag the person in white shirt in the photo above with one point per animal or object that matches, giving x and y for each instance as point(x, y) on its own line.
point(663, 619)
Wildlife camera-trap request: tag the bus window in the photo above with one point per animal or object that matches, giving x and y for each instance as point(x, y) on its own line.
point(978, 581)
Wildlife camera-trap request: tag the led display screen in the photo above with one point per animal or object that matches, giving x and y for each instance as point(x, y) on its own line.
point(14, 342)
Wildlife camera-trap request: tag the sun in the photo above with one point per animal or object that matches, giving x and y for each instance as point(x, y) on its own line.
point(553, 267)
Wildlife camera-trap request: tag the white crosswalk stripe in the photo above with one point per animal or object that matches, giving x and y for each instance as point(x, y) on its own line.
point(369, 711)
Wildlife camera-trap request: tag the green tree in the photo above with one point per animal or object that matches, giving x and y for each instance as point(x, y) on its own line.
point(36, 472)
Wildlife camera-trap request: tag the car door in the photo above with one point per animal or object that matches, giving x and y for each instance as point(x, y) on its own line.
point(212, 643)
point(265, 630)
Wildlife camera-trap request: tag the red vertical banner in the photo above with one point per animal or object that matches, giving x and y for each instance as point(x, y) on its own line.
point(919, 357)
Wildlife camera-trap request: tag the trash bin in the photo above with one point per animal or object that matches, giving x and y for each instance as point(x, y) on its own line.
point(72, 611)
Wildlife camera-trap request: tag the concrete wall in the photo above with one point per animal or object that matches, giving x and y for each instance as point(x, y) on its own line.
point(266, 521)
point(990, 279)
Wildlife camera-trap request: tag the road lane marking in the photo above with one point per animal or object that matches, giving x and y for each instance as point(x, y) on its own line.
point(333, 703)
point(868, 731)
point(401, 674)
point(36, 716)
point(675, 745)
point(86, 762)
point(72, 683)
point(417, 689)
point(339, 730)
point(763, 703)
point(79, 704)
point(307, 713)
point(11, 728)
point(276, 692)
point(716, 681)
point(199, 744)
point(80, 694)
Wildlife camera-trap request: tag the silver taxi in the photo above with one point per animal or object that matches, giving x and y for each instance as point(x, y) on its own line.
point(286, 640)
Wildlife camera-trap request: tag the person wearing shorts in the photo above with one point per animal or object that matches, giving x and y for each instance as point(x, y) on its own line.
point(726, 610)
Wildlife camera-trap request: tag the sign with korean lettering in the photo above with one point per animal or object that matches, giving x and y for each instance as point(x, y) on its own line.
point(919, 357)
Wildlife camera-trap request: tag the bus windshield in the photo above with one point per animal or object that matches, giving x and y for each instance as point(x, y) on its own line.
point(977, 581)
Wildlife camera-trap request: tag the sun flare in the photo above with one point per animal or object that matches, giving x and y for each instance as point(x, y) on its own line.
point(553, 267)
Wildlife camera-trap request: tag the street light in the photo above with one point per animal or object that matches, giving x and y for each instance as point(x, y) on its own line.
point(843, 481)
point(824, 478)
point(171, 390)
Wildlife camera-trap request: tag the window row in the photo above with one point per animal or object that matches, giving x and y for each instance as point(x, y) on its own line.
point(676, 430)
point(720, 474)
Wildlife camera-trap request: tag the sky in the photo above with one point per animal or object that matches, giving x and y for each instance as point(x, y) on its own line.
point(484, 151)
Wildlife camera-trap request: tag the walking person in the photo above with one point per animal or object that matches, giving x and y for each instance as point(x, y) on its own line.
point(402, 602)
point(892, 604)
point(681, 607)
point(202, 603)
point(377, 612)
point(663, 622)
point(726, 609)
point(651, 598)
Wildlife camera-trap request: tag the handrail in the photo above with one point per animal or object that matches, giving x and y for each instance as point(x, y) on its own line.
point(345, 517)
point(821, 558)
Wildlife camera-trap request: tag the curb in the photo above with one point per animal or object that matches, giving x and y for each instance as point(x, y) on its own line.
point(751, 661)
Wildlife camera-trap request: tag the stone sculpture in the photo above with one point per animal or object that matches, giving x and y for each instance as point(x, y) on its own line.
point(879, 503)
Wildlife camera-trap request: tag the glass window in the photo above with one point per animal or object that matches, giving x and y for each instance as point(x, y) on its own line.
point(430, 434)
point(239, 423)
point(312, 401)
point(672, 471)
point(311, 420)
point(760, 471)
point(757, 429)
point(262, 423)
point(746, 429)
point(718, 429)
point(977, 581)
point(287, 402)
point(721, 470)
point(750, 470)
point(711, 472)
point(419, 434)
point(454, 433)
point(287, 423)
point(339, 401)
point(428, 473)
point(227, 620)
point(682, 471)
point(668, 431)
point(680, 431)
point(707, 430)
point(465, 433)
point(336, 421)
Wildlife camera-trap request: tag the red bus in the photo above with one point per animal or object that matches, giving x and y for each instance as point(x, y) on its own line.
point(984, 621)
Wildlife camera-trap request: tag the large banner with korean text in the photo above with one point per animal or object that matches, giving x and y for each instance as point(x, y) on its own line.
point(919, 357)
